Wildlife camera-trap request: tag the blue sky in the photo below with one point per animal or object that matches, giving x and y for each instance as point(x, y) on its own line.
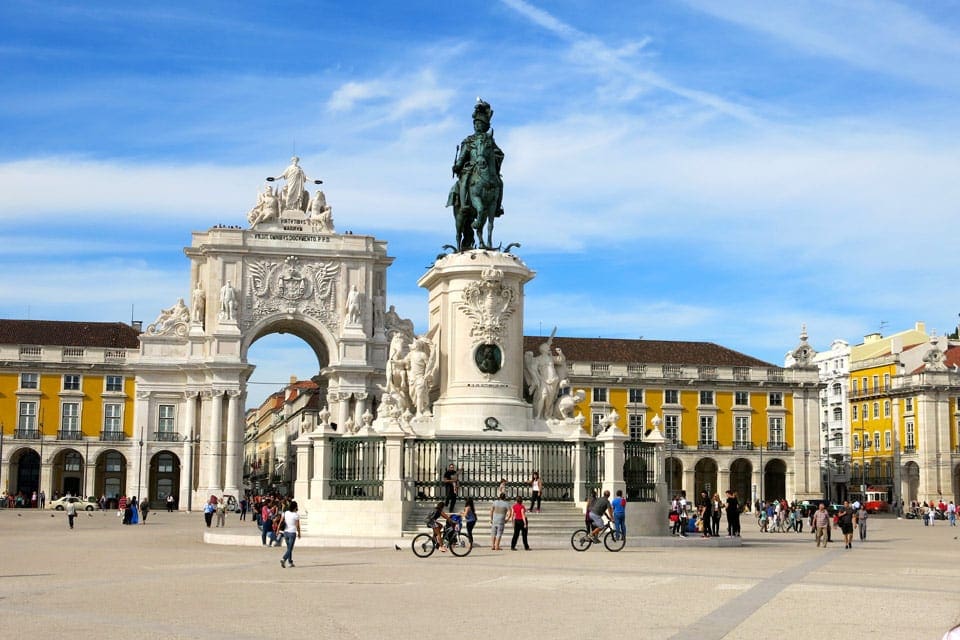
point(696, 170)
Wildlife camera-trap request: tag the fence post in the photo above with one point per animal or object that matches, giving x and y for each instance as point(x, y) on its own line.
point(579, 440)
point(393, 481)
point(613, 457)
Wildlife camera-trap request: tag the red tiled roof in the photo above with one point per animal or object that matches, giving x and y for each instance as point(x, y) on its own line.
point(616, 350)
point(951, 359)
point(110, 335)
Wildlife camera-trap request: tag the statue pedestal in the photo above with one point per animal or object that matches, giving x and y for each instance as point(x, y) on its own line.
point(476, 307)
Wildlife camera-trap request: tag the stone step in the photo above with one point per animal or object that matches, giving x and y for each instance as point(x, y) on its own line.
point(555, 518)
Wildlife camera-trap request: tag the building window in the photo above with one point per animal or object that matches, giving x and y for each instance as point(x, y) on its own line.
point(776, 430)
point(886, 440)
point(599, 394)
point(165, 463)
point(837, 414)
point(853, 414)
point(863, 383)
point(635, 395)
point(707, 432)
point(671, 428)
point(908, 404)
point(886, 381)
point(111, 417)
point(28, 416)
point(863, 412)
point(706, 397)
point(837, 389)
point(876, 409)
point(741, 429)
point(71, 382)
point(70, 417)
point(911, 440)
point(72, 461)
point(876, 383)
point(776, 399)
point(886, 408)
point(595, 419)
point(671, 396)
point(114, 463)
point(741, 398)
point(826, 416)
point(876, 440)
point(635, 426)
point(854, 388)
point(866, 441)
point(165, 418)
point(29, 380)
point(114, 383)
point(856, 442)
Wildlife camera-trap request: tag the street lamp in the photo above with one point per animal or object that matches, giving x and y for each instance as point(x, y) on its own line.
point(140, 466)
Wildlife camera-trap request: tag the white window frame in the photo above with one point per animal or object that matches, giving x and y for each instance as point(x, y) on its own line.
point(33, 378)
point(635, 395)
point(671, 427)
point(776, 433)
point(668, 392)
point(106, 384)
point(741, 429)
point(27, 420)
point(107, 418)
point(71, 376)
point(708, 427)
point(599, 394)
point(741, 395)
point(166, 423)
point(635, 427)
point(775, 398)
point(69, 421)
point(707, 398)
point(887, 441)
point(911, 437)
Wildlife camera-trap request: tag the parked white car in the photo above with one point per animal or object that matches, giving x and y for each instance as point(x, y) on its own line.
point(83, 504)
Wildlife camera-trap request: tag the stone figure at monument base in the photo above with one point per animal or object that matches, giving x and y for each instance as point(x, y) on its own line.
point(266, 209)
point(171, 321)
point(228, 302)
point(199, 301)
point(321, 214)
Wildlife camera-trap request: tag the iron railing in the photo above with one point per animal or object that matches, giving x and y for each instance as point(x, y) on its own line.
point(776, 446)
point(112, 436)
point(748, 446)
point(639, 471)
point(483, 464)
point(166, 436)
point(594, 475)
point(26, 434)
point(358, 468)
point(69, 434)
point(707, 444)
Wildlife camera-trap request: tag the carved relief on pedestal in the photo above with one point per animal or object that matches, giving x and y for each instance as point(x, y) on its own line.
point(292, 287)
point(489, 303)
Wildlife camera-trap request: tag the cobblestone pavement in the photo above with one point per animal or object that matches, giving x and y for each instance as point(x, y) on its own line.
point(104, 580)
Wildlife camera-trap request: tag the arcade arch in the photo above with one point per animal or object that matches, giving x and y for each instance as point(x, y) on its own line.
point(704, 477)
point(164, 478)
point(25, 467)
point(775, 480)
point(68, 469)
point(110, 476)
point(741, 479)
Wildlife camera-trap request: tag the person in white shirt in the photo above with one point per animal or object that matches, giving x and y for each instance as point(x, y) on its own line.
point(291, 531)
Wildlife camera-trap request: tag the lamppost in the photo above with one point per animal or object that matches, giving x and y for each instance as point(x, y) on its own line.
point(140, 466)
point(1, 455)
point(655, 422)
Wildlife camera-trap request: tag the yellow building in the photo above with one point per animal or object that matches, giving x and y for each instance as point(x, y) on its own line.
point(725, 415)
point(67, 408)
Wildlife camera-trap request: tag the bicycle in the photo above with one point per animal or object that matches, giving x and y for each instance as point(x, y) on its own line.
point(581, 540)
point(424, 544)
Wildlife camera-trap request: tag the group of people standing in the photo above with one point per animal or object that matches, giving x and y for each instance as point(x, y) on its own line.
point(132, 512)
point(278, 519)
point(709, 513)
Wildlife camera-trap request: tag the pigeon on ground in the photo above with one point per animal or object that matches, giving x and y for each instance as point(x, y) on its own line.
point(397, 547)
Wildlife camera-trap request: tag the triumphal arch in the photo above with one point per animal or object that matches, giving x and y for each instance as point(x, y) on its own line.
point(289, 271)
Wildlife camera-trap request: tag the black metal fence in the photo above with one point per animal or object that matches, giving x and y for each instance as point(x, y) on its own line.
point(639, 471)
point(483, 464)
point(357, 469)
point(595, 467)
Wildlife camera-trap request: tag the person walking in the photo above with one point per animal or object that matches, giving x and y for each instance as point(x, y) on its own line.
point(845, 520)
point(266, 523)
point(71, 513)
point(952, 514)
point(208, 511)
point(43, 500)
point(619, 506)
point(499, 514)
point(144, 510)
point(862, 515)
point(519, 524)
point(451, 484)
point(243, 509)
point(469, 515)
point(291, 531)
point(536, 491)
point(820, 522)
point(170, 502)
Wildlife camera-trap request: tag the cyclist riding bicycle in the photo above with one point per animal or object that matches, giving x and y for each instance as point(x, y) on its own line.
point(433, 521)
point(599, 508)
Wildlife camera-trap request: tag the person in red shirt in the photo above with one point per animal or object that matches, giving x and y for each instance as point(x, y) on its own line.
point(519, 524)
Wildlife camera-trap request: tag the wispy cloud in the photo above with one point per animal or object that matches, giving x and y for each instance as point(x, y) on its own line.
point(881, 36)
point(619, 62)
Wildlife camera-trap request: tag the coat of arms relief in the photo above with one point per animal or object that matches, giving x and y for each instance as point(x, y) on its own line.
point(489, 303)
point(291, 287)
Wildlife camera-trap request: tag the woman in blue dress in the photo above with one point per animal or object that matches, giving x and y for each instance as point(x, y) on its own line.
point(134, 515)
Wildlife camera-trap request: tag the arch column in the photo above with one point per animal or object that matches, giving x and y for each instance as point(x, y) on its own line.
point(211, 437)
point(186, 468)
point(360, 409)
point(233, 449)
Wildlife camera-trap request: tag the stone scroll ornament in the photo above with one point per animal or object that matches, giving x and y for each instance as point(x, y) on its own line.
point(489, 303)
point(289, 286)
point(172, 321)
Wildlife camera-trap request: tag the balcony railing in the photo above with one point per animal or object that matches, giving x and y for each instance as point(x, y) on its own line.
point(674, 444)
point(31, 353)
point(776, 446)
point(26, 434)
point(741, 373)
point(166, 436)
point(69, 435)
point(747, 446)
point(112, 436)
point(909, 449)
point(707, 444)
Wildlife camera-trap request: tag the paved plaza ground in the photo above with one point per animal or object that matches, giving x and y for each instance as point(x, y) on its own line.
point(104, 580)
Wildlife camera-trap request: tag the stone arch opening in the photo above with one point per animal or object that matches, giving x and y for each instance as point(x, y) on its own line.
point(704, 477)
point(25, 467)
point(110, 476)
point(673, 468)
point(741, 479)
point(911, 479)
point(316, 336)
point(775, 480)
point(164, 478)
point(68, 469)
